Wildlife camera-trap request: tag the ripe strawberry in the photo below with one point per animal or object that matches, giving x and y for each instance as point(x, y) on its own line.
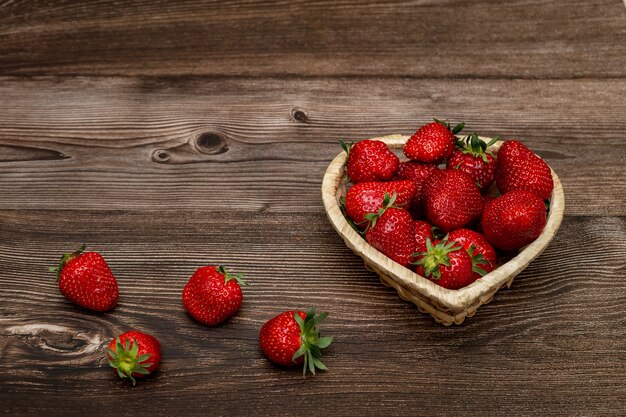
point(432, 142)
point(418, 173)
point(134, 355)
point(518, 168)
point(452, 200)
point(86, 280)
point(367, 197)
point(483, 255)
point(446, 264)
point(415, 171)
point(212, 295)
point(391, 231)
point(292, 338)
point(475, 159)
point(514, 219)
point(423, 230)
point(487, 199)
point(370, 160)
point(433, 183)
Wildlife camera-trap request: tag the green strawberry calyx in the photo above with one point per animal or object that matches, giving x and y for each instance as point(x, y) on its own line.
point(477, 261)
point(475, 146)
point(388, 202)
point(311, 344)
point(230, 277)
point(126, 361)
point(456, 129)
point(435, 256)
point(65, 259)
point(346, 146)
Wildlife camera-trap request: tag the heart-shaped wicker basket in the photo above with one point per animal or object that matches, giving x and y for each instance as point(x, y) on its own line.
point(446, 306)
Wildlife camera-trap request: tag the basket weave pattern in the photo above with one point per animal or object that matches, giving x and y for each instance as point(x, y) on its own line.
point(446, 306)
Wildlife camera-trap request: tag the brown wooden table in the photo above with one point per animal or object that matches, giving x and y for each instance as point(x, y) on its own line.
point(170, 135)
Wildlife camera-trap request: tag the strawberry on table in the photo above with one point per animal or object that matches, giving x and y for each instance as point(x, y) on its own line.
point(134, 355)
point(518, 168)
point(514, 219)
point(292, 338)
point(391, 231)
point(367, 197)
point(452, 200)
point(483, 255)
point(212, 294)
point(432, 142)
point(475, 159)
point(370, 160)
point(447, 264)
point(86, 280)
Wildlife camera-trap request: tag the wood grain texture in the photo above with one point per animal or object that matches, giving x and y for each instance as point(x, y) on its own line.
point(424, 38)
point(171, 135)
point(556, 336)
point(263, 145)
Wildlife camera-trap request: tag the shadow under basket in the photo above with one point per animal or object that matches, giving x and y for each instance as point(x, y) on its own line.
point(446, 306)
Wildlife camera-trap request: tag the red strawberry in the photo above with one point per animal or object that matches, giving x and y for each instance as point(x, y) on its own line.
point(86, 280)
point(475, 159)
point(483, 255)
point(432, 142)
point(518, 168)
point(370, 160)
point(423, 230)
point(391, 231)
point(487, 199)
point(415, 171)
point(134, 355)
point(292, 338)
point(212, 295)
point(433, 183)
point(446, 264)
point(367, 197)
point(418, 173)
point(514, 219)
point(452, 200)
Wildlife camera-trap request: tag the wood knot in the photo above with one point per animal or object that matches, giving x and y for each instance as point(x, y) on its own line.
point(211, 143)
point(160, 155)
point(57, 339)
point(300, 115)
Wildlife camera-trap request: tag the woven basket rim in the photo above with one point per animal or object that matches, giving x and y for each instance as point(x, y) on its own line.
point(455, 301)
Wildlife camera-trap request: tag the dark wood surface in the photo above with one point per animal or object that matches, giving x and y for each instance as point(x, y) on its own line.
point(170, 135)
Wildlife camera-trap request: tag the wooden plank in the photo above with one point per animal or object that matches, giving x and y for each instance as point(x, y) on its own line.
point(436, 39)
point(263, 145)
point(550, 345)
point(170, 135)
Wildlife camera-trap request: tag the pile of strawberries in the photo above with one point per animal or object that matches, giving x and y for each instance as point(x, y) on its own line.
point(211, 296)
point(439, 213)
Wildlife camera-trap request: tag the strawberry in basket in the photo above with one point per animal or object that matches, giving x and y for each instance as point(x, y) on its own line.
point(439, 191)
